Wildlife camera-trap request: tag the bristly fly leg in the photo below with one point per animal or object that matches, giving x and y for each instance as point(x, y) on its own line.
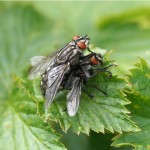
point(65, 109)
point(102, 70)
point(105, 69)
point(97, 88)
point(111, 65)
point(86, 92)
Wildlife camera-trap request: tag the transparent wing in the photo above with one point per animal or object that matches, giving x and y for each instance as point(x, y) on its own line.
point(73, 97)
point(40, 65)
point(36, 59)
point(55, 76)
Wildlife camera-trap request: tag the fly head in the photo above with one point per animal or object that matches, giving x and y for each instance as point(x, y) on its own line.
point(82, 42)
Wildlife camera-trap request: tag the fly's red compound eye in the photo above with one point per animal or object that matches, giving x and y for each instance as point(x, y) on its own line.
point(81, 45)
point(76, 37)
point(94, 61)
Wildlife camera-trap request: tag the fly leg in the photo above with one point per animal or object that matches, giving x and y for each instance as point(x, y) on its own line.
point(90, 95)
point(111, 65)
point(97, 88)
point(105, 69)
point(102, 70)
point(65, 109)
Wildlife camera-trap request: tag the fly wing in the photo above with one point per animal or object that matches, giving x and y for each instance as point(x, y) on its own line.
point(36, 59)
point(55, 76)
point(68, 52)
point(73, 97)
point(40, 65)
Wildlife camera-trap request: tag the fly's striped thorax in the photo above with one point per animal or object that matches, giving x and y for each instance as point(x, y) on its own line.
point(67, 53)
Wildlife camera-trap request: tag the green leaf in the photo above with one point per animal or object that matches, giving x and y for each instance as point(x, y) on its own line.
point(100, 113)
point(140, 108)
point(127, 34)
point(23, 32)
point(140, 78)
point(22, 128)
point(34, 28)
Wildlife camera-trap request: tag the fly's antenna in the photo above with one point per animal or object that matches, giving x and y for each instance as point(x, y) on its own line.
point(82, 37)
point(85, 37)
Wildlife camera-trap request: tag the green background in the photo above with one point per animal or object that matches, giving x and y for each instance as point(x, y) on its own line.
point(37, 28)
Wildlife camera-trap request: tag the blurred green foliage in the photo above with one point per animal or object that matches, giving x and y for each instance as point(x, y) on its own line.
point(140, 107)
point(37, 28)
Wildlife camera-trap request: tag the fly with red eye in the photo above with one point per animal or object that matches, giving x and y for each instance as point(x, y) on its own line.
point(73, 50)
point(69, 53)
point(81, 42)
point(68, 69)
point(77, 77)
point(52, 69)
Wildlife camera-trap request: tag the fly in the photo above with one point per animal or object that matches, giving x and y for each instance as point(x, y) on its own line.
point(78, 76)
point(53, 67)
point(68, 69)
point(69, 53)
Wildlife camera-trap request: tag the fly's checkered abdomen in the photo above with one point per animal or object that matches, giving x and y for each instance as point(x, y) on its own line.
point(44, 83)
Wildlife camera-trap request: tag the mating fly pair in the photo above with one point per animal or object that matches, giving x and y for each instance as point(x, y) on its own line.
point(68, 69)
